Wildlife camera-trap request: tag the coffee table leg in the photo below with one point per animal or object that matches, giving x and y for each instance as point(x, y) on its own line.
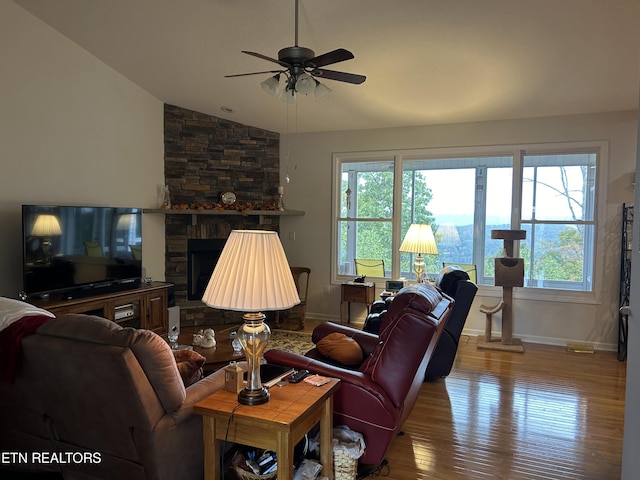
point(211, 449)
point(326, 434)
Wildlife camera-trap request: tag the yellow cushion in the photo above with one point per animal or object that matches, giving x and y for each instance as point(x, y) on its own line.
point(341, 348)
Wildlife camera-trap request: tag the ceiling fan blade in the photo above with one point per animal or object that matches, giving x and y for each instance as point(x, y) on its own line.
point(264, 57)
point(252, 73)
point(335, 56)
point(339, 76)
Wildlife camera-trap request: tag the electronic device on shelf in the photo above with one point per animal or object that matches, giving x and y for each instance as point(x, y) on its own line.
point(124, 311)
point(78, 251)
point(394, 286)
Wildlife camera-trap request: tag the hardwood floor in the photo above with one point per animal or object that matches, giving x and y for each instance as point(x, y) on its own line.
point(543, 414)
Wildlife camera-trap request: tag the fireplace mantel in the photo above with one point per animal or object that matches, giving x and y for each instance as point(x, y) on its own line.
point(194, 213)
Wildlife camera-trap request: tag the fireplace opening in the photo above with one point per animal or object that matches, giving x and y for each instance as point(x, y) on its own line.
point(202, 255)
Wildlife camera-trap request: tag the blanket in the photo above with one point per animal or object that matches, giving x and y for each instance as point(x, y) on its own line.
point(17, 320)
point(13, 310)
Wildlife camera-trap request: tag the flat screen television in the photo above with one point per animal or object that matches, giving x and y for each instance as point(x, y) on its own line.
point(80, 251)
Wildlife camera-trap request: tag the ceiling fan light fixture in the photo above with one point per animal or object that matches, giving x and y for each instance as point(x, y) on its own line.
point(288, 95)
point(305, 84)
point(272, 85)
point(321, 90)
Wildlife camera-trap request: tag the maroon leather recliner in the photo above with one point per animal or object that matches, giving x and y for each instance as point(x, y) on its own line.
point(376, 397)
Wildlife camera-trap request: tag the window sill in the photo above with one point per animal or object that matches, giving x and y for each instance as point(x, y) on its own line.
point(541, 294)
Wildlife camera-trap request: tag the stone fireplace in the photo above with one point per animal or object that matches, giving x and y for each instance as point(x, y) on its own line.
point(205, 156)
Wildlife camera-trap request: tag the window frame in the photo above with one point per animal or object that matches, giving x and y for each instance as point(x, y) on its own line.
point(590, 208)
point(517, 153)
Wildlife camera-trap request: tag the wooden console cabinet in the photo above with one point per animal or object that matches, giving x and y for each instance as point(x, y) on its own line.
point(142, 307)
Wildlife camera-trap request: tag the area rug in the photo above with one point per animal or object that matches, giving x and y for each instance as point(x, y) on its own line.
point(296, 342)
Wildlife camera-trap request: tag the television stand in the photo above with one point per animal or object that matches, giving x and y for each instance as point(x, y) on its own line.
point(141, 307)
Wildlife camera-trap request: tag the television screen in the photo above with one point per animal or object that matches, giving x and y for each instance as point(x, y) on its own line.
point(80, 250)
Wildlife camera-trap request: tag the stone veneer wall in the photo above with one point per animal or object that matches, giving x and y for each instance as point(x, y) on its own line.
point(205, 156)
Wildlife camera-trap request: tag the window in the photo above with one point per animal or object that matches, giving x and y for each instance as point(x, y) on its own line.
point(463, 195)
point(366, 213)
point(467, 197)
point(558, 213)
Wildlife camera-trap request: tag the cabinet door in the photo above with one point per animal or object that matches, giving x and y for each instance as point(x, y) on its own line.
point(156, 307)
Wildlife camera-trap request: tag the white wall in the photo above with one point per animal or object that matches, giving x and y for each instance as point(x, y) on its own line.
point(72, 131)
point(550, 321)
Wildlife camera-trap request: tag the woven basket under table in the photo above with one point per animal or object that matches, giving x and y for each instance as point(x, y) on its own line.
point(246, 475)
point(345, 467)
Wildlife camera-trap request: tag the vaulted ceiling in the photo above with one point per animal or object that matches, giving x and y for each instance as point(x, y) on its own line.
point(426, 61)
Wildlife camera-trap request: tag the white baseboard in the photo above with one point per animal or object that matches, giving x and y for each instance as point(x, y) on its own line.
point(561, 342)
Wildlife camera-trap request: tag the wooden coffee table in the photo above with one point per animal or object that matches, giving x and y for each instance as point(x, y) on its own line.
point(277, 425)
point(218, 356)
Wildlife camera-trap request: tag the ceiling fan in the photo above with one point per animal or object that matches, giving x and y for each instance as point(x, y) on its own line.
point(302, 68)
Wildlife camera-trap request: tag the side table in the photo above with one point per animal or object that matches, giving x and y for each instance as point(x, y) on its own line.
point(358, 293)
point(277, 425)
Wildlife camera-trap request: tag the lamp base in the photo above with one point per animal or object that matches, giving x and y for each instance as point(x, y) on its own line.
point(419, 268)
point(253, 397)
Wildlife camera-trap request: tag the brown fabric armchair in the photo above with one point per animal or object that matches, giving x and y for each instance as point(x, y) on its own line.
point(113, 395)
point(377, 396)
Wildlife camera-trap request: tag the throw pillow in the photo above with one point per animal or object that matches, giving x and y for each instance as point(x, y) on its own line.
point(341, 348)
point(189, 365)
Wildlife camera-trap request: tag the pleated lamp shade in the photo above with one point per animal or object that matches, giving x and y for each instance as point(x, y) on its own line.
point(419, 239)
point(252, 275)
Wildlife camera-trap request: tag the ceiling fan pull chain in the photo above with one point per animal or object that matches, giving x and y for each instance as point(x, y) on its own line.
point(296, 39)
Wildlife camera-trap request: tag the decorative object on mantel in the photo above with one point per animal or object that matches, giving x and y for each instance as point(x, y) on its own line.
point(165, 196)
point(281, 199)
point(255, 211)
point(240, 206)
point(228, 198)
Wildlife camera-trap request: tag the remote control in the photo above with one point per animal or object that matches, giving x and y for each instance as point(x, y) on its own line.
point(296, 377)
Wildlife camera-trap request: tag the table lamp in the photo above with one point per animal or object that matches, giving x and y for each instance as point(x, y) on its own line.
point(252, 276)
point(419, 239)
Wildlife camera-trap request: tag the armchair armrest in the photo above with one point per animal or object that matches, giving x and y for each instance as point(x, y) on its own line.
point(201, 390)
point(353, 384)
point(367, 341)
point(300, 362)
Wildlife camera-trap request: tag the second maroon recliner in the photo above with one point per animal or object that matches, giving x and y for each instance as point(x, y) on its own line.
point(377, 396)
point(455, 282)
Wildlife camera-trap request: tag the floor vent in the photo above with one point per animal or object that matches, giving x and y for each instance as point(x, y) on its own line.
point(580, 348)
